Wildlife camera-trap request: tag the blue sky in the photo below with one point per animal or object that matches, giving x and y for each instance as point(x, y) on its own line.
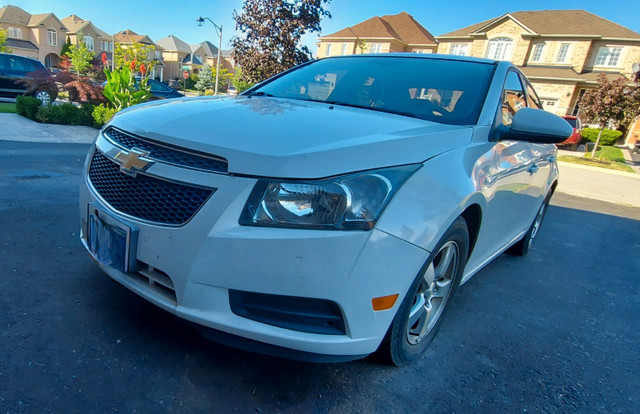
point(161, 18)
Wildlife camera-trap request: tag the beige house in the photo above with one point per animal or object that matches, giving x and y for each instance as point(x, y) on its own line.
point(96, 40)
point(174, 53)
point(39, 36)
point(386, 34)
point(129, 37)
point(562, 52)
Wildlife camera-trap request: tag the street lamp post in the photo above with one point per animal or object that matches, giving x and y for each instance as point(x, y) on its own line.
point(200, 22)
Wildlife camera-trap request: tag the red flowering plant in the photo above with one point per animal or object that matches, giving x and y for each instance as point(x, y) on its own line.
point(123, 89)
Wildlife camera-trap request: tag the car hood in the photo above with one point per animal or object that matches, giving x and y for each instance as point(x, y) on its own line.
point(275, 137)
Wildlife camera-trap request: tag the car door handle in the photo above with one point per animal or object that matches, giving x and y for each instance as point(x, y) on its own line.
point(533, 169)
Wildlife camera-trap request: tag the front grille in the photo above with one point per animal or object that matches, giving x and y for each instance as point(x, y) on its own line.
point(166, 153)
point(143, 196)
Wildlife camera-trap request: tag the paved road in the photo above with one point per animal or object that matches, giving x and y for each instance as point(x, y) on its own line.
point(556, 331)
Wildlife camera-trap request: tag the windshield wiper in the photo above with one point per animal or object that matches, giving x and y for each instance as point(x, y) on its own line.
point(258, 93)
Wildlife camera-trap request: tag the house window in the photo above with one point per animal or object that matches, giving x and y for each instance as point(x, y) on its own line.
point(608, 56)
point(460, 49)
point(500, 48)
point(345, 47)
point(158, 55)
point(328, 52)
point(15, 32)
point(376, 47)
point(52, 37)
point(88, 40)
point(537, 52)
point(563, 53)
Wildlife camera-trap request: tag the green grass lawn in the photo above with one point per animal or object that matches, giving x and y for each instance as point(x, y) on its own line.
point(606, 157)
point(7, 108)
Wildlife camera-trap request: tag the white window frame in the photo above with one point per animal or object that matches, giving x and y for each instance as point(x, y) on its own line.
point(608, 56)
point(89, 42)
point(52, 37)
point(328, 50)
point(344, 50)
point(538, 49)
point(459, 49)
point(376, 48)
point(563, 53)
point(14, 32)
point(500, 48)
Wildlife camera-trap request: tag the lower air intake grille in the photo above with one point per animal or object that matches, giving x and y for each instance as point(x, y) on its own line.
point(143, 196)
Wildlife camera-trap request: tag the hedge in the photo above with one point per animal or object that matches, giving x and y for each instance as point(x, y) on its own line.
point(28, 106)
point(66, 114)
point(609, 136)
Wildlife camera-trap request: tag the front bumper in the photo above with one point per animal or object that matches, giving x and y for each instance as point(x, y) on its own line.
point(190, 269)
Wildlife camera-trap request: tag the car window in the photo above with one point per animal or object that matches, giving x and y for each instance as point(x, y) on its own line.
point(573, 122)
point(532, 98)
point(21, 66)
point(513, 97)
point(158, 87)
point(440, 90)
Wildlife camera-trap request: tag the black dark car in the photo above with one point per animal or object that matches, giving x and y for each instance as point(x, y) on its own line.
point(14, 70)
point(160, 90)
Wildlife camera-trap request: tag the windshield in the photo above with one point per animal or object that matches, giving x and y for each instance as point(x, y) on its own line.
point(572, 121)
point(440, 90)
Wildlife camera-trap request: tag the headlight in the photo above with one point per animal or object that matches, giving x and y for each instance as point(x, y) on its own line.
point(348, 202)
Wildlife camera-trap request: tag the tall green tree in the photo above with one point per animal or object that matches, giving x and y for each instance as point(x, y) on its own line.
point(612, 102)
point(80, 56)
point(205, 78)
point(3, 40)
point(141, 54)
point(271, 31)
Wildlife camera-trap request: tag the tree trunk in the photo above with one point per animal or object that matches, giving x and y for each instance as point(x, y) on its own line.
point(595, 147)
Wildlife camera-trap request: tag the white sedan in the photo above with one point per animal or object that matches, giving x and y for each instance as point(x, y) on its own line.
point(329, 212)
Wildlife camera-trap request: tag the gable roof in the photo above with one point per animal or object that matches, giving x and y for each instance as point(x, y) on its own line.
point(553, 23)
point(401, 26)
point(210, 50)
point(174, 44)
point(37, 19)
point(14, 15)
point(129, 36)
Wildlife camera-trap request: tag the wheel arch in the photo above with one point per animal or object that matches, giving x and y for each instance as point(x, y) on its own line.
point(473, 216)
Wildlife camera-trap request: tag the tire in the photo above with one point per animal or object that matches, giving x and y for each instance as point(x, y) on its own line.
point(521, 248)
point(45, 96)
point(423, 309)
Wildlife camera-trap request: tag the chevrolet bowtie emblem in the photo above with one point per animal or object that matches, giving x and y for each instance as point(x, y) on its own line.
point(133, 161)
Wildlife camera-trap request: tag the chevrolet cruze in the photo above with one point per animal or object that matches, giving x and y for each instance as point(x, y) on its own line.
point(329, 212)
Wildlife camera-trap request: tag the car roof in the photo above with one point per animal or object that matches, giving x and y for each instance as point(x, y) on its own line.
point(21, 57)
point(432, 56)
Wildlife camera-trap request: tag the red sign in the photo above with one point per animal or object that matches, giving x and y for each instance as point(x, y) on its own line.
point(185, 74)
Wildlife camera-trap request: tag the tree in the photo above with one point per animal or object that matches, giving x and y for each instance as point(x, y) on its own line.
point(80, 56)
point(612, 102)
point(270, 35)
point(139, 53)
point(205, 78)
point(3, 40)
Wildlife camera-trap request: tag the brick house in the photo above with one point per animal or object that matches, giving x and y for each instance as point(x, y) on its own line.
point(98, 41)
point(38, 36)
point(562, 52)
point(174, 52)
point(386, 34)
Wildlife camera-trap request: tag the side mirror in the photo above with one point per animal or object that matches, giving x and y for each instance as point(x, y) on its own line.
point(536, 125)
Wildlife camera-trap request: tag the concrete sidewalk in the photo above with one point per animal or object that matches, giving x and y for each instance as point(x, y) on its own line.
point(590, 182)
point(14, 127)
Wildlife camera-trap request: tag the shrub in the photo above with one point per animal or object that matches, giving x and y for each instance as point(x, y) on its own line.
point(102, 114)
point(65, 114)
point(208, 92)
point(27, 106)
point(609, 136)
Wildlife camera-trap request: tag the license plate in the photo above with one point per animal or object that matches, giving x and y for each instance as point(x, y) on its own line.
point(110, 241)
